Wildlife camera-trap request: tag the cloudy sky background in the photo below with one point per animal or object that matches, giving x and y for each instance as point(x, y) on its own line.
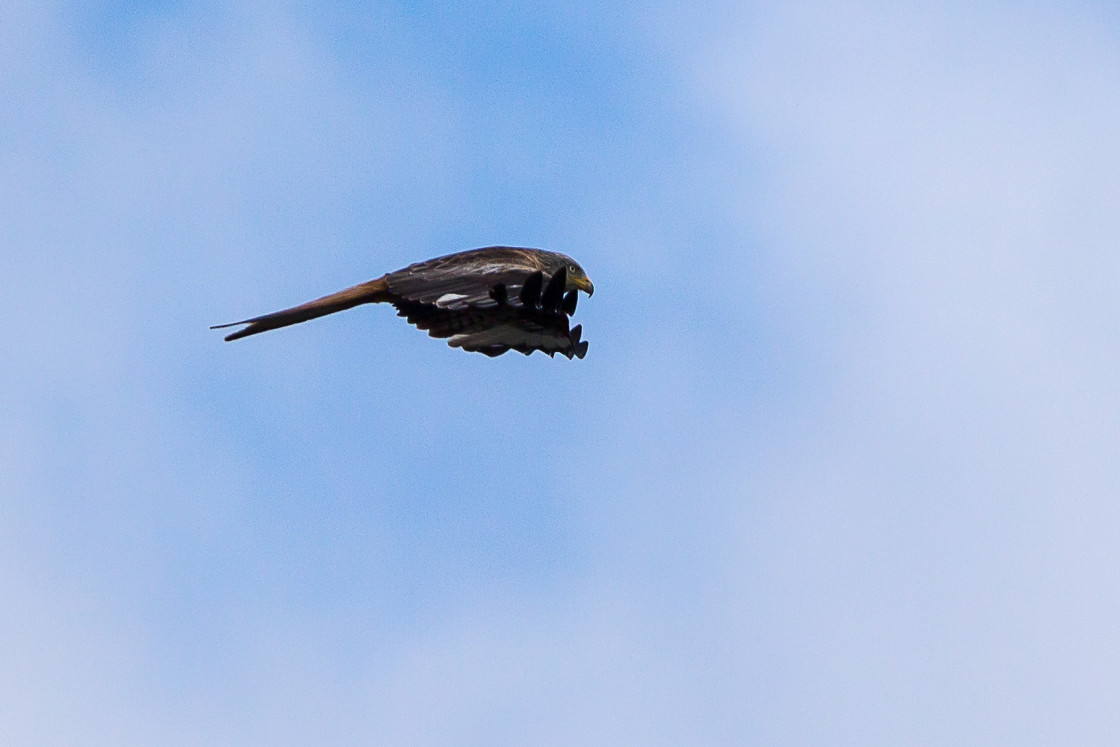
point(841, 465)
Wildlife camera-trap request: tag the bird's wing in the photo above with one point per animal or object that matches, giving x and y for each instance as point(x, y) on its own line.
point(464, 280)
point(535, 319)
point(523, 335)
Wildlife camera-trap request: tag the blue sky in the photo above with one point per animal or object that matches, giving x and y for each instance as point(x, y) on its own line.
point(840, 466)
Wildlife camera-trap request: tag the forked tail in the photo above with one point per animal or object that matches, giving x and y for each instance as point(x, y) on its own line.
point(373, 291)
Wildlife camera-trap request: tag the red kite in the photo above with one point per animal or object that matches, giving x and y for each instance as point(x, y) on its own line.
point(484, 300)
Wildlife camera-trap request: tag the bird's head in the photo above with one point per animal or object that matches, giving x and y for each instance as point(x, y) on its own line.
point(577, 278)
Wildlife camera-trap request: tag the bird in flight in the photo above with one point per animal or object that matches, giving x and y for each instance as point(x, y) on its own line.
point(488, 301)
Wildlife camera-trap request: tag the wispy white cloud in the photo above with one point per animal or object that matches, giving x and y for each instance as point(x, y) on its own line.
point(937, 190)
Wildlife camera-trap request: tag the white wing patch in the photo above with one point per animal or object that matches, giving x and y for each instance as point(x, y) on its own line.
point(447, 299)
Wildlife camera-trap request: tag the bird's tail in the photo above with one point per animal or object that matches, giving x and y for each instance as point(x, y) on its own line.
point(373, 291)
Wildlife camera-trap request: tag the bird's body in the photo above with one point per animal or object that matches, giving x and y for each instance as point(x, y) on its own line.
point(484, 300)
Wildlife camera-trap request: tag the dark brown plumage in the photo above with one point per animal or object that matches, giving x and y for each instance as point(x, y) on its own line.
point(484, 300)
